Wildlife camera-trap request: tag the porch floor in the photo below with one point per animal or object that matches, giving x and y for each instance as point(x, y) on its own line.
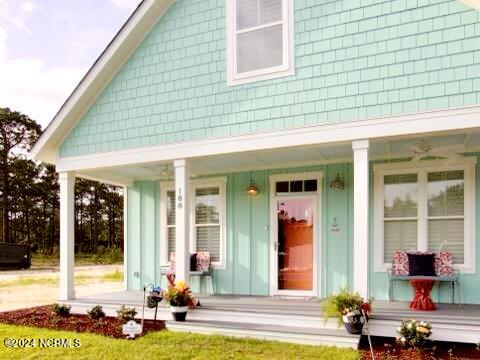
point(253, 316)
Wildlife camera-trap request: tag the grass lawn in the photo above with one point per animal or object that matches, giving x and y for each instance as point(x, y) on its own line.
point(42, 260)
point(162, 345)
point(54, 280)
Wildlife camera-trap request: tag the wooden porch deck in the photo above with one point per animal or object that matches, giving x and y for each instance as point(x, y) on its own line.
point(293, 319)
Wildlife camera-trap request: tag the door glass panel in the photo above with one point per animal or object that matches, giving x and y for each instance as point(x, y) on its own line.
point(295, 244)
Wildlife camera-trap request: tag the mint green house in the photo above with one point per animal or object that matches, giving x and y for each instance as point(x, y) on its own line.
point(300, 143)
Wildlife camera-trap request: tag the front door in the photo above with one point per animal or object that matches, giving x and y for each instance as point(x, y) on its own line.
point(294, 234)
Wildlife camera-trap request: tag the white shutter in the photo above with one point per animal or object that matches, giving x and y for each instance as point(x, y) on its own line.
point(446, 204)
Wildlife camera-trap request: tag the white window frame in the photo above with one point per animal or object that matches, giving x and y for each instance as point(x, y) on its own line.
point(286, 69)
point(221, 183)
point(422, 168)
point(317, 236)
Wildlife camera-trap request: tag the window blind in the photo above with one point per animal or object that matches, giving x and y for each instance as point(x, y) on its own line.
point(259, 34)
point(207, 221)
point(400, 214)
point(446, 204)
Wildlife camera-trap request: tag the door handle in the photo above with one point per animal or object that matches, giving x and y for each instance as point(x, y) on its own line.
point(275, 246)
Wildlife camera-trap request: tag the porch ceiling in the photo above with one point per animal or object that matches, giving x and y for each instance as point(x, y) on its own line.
point(284, 157)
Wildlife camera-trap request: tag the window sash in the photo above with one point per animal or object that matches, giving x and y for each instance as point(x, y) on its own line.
point(166, 224)
point(423, 219)
point(275, 70)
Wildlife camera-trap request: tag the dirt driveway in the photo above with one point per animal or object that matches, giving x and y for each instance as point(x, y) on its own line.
point(27, 288)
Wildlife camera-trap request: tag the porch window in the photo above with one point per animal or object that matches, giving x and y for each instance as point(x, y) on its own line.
point(424, 207)
point(259, 39)
point(170, 223)
point(208, 204)
point(207, 221)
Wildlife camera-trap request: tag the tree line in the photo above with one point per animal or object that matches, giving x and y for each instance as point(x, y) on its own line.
point(30, 196)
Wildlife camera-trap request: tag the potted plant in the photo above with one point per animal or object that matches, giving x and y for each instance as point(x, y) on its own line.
point(347, 307)
point(179, 297)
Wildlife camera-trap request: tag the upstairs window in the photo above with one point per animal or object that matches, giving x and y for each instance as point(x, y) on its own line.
point(260, 40)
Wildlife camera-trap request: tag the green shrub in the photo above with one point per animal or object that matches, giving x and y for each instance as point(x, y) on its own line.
point(61, 309)
point(108, 256)
point(96, 312)
point(125, 314)
point(413, 333)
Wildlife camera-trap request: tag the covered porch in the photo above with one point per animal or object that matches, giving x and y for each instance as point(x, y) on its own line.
point(344, 251)
point(292, 319)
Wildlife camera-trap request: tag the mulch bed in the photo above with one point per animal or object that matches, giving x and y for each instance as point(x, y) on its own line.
point(386, 348)
point(43, 317)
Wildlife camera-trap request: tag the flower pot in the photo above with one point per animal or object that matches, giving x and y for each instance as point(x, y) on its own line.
point(353, 322)
point(179, 313)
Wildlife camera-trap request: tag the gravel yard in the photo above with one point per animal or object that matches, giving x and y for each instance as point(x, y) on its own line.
point(29, 288)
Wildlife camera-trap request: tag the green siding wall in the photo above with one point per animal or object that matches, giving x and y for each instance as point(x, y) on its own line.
point(354, 60)
point(247, 262)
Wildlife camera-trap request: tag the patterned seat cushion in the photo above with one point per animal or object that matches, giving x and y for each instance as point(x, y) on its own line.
point(400, 263)
point(202, 258)
point(203, 261)
point(443, 263)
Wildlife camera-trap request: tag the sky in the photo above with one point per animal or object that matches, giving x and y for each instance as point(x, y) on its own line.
point(47, 46)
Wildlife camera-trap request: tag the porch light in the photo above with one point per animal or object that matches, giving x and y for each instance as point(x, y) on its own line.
point(338, 183)
point(252, 190)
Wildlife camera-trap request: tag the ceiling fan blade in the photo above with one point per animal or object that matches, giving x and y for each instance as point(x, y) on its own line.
point(415, 149)
point(417, 158)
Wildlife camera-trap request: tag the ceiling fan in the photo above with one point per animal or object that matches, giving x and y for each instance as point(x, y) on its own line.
point(425, 149)
point(166, 171)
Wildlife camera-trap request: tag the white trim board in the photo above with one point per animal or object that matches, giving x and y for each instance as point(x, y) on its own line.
point(421, 168)
point(402, 125)
point(99, 76)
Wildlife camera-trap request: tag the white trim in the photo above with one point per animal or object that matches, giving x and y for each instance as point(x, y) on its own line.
point(66, 181)
point(288, 66)
point(360, 215)
point(221, 183)
point(472, 3)
point(317, 235)
point(99, 76)
point(467, 164)
point(125, 238)
point(109, 179)
point(403, 125)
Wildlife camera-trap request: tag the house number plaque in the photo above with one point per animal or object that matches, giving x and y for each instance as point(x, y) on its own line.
point(179, 199)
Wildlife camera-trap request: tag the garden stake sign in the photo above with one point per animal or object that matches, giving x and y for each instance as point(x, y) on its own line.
point(132, 328)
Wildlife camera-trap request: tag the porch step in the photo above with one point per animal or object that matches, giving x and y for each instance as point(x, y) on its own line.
point(299, 335)
point(299, 315)
point(446, 326)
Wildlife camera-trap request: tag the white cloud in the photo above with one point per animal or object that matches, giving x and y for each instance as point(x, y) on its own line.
point(32, 88)
point(129, 5)
point(16, 16)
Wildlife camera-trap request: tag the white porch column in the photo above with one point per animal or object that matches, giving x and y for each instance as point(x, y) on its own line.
point(182, 219)
point(67, 235)
point(360, 216)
